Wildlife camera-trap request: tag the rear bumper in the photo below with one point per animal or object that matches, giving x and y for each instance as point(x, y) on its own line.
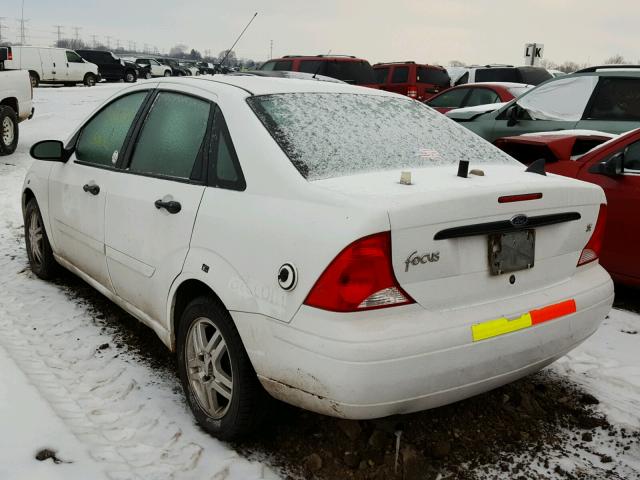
point(406, 359)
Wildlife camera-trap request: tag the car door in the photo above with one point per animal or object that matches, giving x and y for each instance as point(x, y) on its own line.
point(151, 210)
point(78, 188)
point(75, 67)
point(614, 107)
point(399, 79)
point(620, 253)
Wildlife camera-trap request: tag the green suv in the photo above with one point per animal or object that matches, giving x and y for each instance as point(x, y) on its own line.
point(597, 98)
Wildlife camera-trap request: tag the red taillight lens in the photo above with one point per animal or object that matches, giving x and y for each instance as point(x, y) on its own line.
point(412, 92)
point(10, 55)
point(592, 249)
point(360, 278)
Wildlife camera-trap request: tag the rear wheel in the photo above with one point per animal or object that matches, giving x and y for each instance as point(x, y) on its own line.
point(147, 75)
point(8, 130)
point(39, 250)
point(130, 76)
point(89, 80)
point(35, 79)
point(220, 384)
point(167, 73)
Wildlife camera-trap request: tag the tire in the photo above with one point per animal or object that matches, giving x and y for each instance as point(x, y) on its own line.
point(167, 73)
point(89, 80)
point(147, 75)
point(35, 79)
point(9, 131)
point(130, 76)
point(39, 250)
point(243, 411)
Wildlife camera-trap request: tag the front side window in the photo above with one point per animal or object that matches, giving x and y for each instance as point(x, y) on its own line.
point(73, 57)
point(172, 136)
point(481, 96)
point(632, 157)
point(451, 99)
point(102, 138)
point(142, 61)
point(400, 75)
point(335, 134)
point(616, 99)
point(278, 65)
point(312, 66)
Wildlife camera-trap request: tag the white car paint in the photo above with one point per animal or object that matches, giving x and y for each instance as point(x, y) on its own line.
point(15, 90)
point(157, 69)
point(51, 64)
point(362, 364)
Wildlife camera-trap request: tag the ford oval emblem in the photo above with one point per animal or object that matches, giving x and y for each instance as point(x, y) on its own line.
point(519, 220)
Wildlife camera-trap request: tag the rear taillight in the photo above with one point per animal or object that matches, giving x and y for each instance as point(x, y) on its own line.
point(10, 55)
point(360, 278)
point(412, 92)
point(592, 249)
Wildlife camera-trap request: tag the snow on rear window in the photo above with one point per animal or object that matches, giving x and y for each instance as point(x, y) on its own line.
point(329, 135)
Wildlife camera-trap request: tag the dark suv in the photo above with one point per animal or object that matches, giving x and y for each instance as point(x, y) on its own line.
point(347, 68)
point(414, 80)
point(113, 68)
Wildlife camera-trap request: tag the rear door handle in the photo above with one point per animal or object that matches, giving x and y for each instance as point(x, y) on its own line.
point(170, 206)
point(92, 189)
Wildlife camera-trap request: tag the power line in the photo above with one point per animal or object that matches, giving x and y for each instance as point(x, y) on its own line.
point(23, 30)
point(1, 27)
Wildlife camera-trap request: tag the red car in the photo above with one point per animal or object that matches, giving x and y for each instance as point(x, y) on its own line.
point(411, 79)
point(615, 166)
point(473, 94)
point(347, 68)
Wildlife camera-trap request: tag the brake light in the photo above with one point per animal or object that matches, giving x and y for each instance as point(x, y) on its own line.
point(519, 198)
point(359, 278)
point(10, 54)
point(412, 92)
point(593, 247)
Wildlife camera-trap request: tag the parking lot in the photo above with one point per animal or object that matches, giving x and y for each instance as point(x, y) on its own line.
point(121, 408)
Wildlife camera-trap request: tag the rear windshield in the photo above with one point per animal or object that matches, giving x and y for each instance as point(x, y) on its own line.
point(497, 75)
point(434, 76)
point(329, 135)
point(534, 75)
point(357, 73)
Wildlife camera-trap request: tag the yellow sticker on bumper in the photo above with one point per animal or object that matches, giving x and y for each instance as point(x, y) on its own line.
point(500, 326)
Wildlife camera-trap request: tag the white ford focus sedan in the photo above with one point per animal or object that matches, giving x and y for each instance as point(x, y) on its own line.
point(320, 242)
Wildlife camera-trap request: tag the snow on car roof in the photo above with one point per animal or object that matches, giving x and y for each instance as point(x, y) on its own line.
point(576, 132)
point(257, 85)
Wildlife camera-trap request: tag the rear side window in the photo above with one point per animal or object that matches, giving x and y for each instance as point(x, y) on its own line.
point(434, 76)
point(226, 171)
point(172, 137)
point(400, 75)
point(463, 79)
point(481, 96)
point(533, 75)
point(102, 138)
point(278, 65)
point(616, 99)
point(312, 66)
point(381, 74)
point(497, 75)
point(357, 72)
point(451, 99)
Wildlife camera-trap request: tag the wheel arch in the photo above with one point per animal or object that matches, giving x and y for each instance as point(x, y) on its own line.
point(11, 102)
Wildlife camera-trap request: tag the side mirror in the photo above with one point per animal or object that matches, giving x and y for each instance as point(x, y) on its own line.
point(612, 167)
point(52, 150)
point(512, 115)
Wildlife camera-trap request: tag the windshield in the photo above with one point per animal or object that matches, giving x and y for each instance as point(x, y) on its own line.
point(335, 134)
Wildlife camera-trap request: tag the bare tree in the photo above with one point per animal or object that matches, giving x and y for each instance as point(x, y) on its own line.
point(457, 63)
point(616, 59)
point(231, 60)
point(178, 51)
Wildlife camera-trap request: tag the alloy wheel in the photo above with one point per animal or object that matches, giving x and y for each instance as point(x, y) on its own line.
point(209, 367)
point(8, 131)
point(36, 237)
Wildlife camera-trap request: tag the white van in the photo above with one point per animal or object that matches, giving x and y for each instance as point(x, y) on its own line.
point(52, 65)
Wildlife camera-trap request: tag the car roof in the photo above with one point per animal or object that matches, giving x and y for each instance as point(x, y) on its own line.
point(494, 84)
point(259, 85)
point(341, 58)
point(389, 64)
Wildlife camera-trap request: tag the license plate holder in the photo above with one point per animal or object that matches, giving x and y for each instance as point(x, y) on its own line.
point(511, 251)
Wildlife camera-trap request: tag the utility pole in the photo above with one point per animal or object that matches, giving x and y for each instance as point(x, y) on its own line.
point(118, 44)
point(108, 41)
point(22, 35)
point(2, 25)
point(58, 33)
point(271, 50)
point(94, 42)
point(23, 30)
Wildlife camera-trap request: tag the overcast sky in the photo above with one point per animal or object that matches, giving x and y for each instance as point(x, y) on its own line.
point(473, 31)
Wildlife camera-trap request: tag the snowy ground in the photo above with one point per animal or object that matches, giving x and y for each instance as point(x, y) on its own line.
point(107, 414)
